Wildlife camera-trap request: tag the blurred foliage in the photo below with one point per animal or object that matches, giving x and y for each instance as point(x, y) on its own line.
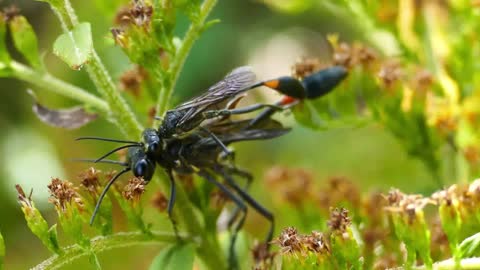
point(413, 72)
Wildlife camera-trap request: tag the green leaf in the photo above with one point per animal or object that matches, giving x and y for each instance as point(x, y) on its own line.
point(75, 47)
point(4, 56)
point(470, 246)
point(2, 251)
point(178, 256)
point(306, 115)
point(25, 40)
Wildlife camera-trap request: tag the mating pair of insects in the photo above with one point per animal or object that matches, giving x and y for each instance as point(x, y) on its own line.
point(193, 137)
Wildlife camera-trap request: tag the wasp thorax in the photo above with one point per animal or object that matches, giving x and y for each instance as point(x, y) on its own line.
point(152, 142)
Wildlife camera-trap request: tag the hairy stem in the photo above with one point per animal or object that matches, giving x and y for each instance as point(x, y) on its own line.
point(190, 37)
point(50, 83)
point(120, 113)
point(104, 243)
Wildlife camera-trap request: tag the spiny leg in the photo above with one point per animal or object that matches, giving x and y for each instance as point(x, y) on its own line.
point(171, 202)
point(247, 198)
point(240, 204)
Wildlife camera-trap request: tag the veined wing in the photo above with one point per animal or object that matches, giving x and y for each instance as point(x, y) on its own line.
point(236, 82)
point(244, 135)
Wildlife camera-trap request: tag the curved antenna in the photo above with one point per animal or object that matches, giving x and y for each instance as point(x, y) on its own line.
point(104, 192)
point(108, 161)
point(115, 150)
point(106, 140)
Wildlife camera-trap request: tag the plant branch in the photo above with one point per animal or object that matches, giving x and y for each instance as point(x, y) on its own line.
point(120, 113)
point(104, 243)
point(50, 83)
point(190, 37)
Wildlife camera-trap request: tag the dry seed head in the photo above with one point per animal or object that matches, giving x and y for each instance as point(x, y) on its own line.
point(390, 72)
point(131, 80)
point(305, 66)
point(387, 261)
point(63, 193)
point(343, 55)
point(90, 180)
point(339, 220)
point(134, 189)
point(141, 13)
point(10, 12)
point(315, 242)
point(289, 241)
point(218, 199)
point(262, 256)
point(159, 201)
point(22, 198)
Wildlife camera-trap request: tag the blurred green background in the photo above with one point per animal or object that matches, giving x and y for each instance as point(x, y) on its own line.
point(250, 33)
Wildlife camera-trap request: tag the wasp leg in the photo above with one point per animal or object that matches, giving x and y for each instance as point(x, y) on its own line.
point(247, 109)
point(233, 264)
point(171, 202)
point(247, 198)
point(225, 149)
point(249, 179)
point(268, 112)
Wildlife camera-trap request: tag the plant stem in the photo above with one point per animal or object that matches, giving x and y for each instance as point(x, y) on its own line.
point(120, 113)
point(104, 243)
point(208, 250)
point(190, 37)
point(50, 83)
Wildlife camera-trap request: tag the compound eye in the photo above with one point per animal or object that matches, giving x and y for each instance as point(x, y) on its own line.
point(141, 168)
point(144, 168)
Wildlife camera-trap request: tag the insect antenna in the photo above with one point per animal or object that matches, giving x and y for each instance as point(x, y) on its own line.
point(108, 161)
point(114, 150)
point(106, 140)
point(104, 192)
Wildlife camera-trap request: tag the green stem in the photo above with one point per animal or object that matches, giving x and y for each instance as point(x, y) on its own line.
point(120, 113)
point(208, 250)
point(104, 243)
point(50, 83)
point(190, 37)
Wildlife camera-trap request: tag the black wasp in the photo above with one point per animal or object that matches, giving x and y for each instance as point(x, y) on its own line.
point(174, 148)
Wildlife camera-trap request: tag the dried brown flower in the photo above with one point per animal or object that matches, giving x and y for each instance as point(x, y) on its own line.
point(63, 194)
point(351, 56)
point(131, 80)
point(387, 261)
point(305, 66)
point(23, 199)
point(159, 201)
point(134, 189)
point(262, 256)
point(406, 204)
point(90, 180)
point(289, 241)
point(390, 72)
point(218, 199)
point(141, 13)
point(339, 220)
point(292, 185)
point(315, 242)
point(10, 12)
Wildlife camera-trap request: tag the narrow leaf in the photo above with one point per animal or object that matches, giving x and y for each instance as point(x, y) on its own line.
point(4, 56)
point(2, 251)
point(470, 246)
point(25, 40)
point(75, 47)
point(178, 256)
point(71, 118)
point(307, 116)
